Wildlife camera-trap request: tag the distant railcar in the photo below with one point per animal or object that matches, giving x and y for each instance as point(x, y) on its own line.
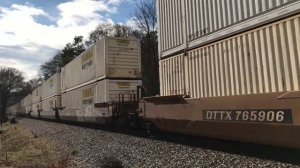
point(106, 73)
point(36, 102)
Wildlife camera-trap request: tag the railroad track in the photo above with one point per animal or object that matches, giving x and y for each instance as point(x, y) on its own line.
point(134, 148)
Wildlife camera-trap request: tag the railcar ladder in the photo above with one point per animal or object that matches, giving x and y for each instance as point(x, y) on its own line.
point(125, 111)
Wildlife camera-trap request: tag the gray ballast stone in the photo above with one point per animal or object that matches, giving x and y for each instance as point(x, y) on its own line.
point(98, 148)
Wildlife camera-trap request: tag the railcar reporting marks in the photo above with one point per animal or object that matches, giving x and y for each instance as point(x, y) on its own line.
point(265, 116)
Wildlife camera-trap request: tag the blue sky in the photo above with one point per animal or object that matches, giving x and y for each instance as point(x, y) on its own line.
point(32, 31)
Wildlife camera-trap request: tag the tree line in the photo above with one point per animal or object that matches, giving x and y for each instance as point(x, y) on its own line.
point(13, 88)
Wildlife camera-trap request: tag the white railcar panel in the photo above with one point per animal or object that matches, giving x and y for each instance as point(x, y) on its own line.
point(50, 103)
point(82, 100)
point(192, 23)
point(110, 57)
point(51, 87)
point(171, 23)
point(263, 60)
point(104, 91)
point(79, 70)
point(36, 107)
point(36, 94)
point(123, 58)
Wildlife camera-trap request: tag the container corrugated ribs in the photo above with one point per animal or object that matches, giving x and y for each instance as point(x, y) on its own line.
point(51, 87)
point(101, 92)
point(192, 23)
point(262, 60)
point(26, 103)
point(110, 57)
point(50, 103)
point(36, 100)
point(37, 94)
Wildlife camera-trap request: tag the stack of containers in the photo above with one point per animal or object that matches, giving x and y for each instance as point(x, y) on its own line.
point(26, 104)
point(213, 48)
point(51, 98)
point(9, 110)
point(23, 106)
point(36, 102)
point(99, 75)
point(15, 109)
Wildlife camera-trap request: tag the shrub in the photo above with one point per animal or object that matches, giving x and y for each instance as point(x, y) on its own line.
point(13, 121)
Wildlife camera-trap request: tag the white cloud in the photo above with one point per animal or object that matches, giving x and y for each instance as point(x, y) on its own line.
point(80, 12)
point(24, 38)
point(131, 23)
point(27, 69)
point(17, 24)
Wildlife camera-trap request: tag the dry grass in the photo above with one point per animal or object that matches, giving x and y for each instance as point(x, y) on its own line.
point(20, 148)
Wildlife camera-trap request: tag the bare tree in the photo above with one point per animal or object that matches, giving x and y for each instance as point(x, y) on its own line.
point(122, 31)
point(145, 18)
point(107, 29)
point(70, 51)
point(34, 82)
point(101, 31)
point(11, 80)
point(52, 66)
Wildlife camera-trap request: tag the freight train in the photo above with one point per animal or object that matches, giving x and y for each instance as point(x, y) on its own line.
point(228, 70)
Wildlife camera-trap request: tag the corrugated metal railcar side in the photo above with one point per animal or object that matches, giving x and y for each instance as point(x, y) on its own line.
point(36, 101)
point(263, 60)
point(28, 104)
point(51, 97)
point(245, 87)
point(79, 104)
point(110, 57)
point(192, 23)
point(108, 69)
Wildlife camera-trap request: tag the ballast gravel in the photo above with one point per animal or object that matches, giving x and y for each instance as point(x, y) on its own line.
point(93, 148)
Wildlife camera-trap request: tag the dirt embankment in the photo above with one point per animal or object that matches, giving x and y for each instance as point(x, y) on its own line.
point(21, 148)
